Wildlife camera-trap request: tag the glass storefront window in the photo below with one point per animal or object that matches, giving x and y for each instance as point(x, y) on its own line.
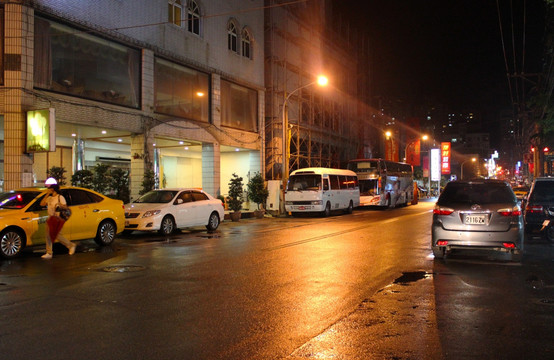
point(76, 63)
point(181, 91)
point(239, 106)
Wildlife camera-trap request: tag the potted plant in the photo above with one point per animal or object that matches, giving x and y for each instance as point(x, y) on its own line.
point(235, 196)
point(258, 194)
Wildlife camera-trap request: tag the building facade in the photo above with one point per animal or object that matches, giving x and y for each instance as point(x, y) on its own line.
point(176, 86)
point(327, 126)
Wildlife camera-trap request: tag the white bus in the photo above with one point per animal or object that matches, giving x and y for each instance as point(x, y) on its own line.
point(322, 190)
point(384, 183)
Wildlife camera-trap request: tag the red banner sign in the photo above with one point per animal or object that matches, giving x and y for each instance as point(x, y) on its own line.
point(445, 158)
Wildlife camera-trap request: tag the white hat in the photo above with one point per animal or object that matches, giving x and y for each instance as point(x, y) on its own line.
point(50, 181)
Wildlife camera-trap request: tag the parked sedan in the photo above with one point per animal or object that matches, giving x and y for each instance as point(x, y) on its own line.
point(480, 214)
point(166, 210)
point(23, 220)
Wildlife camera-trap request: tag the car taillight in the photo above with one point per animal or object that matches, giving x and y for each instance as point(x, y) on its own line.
point(442, 243)
point(438, 210)
point(534, 208)
point(515, 211)
point(509, 245)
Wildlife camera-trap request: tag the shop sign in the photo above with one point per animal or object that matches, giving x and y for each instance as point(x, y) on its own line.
point(445, 158)
point(41, 130)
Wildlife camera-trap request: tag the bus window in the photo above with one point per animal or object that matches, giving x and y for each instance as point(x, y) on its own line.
point(304, 182)
point(335, 182)
point(325, 184)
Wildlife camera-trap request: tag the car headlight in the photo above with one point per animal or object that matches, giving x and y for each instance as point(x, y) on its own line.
point(316, 202)
point(151, 213)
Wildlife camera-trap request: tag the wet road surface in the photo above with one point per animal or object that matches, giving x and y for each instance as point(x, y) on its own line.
point(360, 286)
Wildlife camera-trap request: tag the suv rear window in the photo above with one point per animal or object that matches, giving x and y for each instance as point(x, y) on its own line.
point(543, 191)
point(476, 193)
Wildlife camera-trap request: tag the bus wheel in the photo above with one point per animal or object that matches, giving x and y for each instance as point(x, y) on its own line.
point(350, 208)
point(327, 210)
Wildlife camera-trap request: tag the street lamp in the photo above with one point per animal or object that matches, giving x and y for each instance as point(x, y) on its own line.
point(321, 81)
point(462, 167)
point(424, 138)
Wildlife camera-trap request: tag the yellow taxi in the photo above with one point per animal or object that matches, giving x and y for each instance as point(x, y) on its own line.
point(520, 191)
point(23, 220)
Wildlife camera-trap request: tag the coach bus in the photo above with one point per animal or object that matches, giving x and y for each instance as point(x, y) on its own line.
point(384, 183)
point(322, 190)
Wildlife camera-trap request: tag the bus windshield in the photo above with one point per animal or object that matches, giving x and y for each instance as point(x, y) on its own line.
point(304, 182)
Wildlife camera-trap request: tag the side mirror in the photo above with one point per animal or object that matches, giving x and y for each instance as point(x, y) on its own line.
point(179, 201)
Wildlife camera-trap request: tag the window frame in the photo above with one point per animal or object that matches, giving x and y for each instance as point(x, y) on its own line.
point(172, 5)
point(246, 44)
point(193, 17)
point(232, 37)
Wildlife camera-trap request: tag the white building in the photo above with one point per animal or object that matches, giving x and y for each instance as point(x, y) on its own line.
point(173, 85)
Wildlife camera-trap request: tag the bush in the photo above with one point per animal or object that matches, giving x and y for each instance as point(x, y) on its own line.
point(101, 179)
point(148, 182)
point(120, 184)
point(57, 173)
point(257, 191)
point(82, 178)
point(235, 193)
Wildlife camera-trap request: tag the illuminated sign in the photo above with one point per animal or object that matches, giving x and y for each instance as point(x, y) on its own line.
point(445, 158)
point(41, 130)
point(435, 165)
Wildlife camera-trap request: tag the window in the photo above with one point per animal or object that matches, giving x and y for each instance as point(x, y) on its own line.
point(181, 91)
point(198, 196)
point(174, 10)
point(80, 64)
point(232, 37)
point(239, 107)
point(193, 17)
point(246, 44)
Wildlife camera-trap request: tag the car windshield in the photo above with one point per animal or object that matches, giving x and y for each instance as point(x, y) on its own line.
point(157, 197)
point(17, 199)
point(543, 191)
point(304, 182)
point(476, 193)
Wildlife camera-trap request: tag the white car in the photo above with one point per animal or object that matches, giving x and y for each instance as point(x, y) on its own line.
point(168, 209)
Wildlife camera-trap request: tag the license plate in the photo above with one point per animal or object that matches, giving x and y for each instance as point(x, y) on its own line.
point(475, 219)
point(301, 208)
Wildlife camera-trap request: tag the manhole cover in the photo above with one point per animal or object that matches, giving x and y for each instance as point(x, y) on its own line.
point(123, 268)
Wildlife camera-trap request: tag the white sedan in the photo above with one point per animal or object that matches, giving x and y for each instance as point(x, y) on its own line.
point(168, 209)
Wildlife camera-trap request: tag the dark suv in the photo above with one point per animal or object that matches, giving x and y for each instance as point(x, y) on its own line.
point(539, 200)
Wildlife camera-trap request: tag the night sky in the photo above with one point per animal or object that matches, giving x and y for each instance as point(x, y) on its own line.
point(449, 52)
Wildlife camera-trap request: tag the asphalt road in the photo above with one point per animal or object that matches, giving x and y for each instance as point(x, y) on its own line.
point(360, 286)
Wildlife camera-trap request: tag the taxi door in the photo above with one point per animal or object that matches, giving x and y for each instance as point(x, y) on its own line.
point(84, 219)
point(35, 219)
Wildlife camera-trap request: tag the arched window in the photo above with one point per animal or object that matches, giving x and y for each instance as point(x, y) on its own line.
point(193, 17)
point(232, 36)
point(174, 13)
point(246, 44)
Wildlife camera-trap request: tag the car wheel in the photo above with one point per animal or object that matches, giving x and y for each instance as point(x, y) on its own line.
point(167, 227)
point(438, 252)
point(11, 243)
point(327, 210)
point(350, 208)
point(213, 222)
point(106, 232)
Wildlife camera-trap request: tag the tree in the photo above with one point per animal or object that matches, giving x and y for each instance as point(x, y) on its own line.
point(148, 182)
point(256, 190)
point(82, 178)
point(101, 179)
point(235, 192)
point(119, 184)
point(57, 173)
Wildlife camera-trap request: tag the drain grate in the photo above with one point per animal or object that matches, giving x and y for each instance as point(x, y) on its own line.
point(123, 268)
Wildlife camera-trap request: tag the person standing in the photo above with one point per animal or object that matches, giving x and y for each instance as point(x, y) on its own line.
point(54, 223)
